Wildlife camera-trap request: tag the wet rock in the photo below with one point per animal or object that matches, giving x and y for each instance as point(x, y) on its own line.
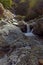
point(38, 27)
point(7, 31)
point(10, 37)
point(8, 15)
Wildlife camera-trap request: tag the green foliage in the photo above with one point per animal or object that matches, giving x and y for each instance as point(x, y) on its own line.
point(6, 3)
point(32, 3)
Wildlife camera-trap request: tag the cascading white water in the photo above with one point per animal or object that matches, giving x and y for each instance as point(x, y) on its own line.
point(29, 32)
point(28, 28)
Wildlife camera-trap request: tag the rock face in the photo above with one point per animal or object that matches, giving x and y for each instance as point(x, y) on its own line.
point(23, 26)
point(38, 27)
point(8, 15)
point(5, 13)
point(9, 34)
point(1, 10)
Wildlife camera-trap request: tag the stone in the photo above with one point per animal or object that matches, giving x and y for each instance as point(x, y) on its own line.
point(9, 37)
point(23, 26)
point(8, 14)
point(1, 10)
point(38, 27)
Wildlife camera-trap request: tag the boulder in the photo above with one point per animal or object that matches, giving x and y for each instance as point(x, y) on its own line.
point(10, 33)
point(38, 27)
point(23, 26)
point(8, 14)
point(9, 36)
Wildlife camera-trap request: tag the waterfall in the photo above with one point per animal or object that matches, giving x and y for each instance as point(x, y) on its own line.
point(29, 32)
point(28, 28)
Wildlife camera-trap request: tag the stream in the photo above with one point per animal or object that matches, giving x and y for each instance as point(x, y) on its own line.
point(29, 32)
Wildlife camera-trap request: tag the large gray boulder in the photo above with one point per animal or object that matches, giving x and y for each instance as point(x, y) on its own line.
point(10, 37)
point(10, 33)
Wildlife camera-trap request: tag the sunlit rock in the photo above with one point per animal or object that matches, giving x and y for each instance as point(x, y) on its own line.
point(1, 10)
point(38, 27)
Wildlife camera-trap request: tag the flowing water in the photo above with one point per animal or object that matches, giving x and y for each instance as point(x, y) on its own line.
point(29, 32)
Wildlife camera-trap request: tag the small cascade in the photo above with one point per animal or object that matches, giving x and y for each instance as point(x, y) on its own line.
point(28, 28)
point(29, 31)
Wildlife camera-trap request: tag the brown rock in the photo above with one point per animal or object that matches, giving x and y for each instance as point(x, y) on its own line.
point(38, 27)
point(40, 61)
point(7, 14)
point(1, 10)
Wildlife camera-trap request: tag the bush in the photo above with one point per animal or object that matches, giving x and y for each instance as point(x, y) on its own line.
point(6, 3)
